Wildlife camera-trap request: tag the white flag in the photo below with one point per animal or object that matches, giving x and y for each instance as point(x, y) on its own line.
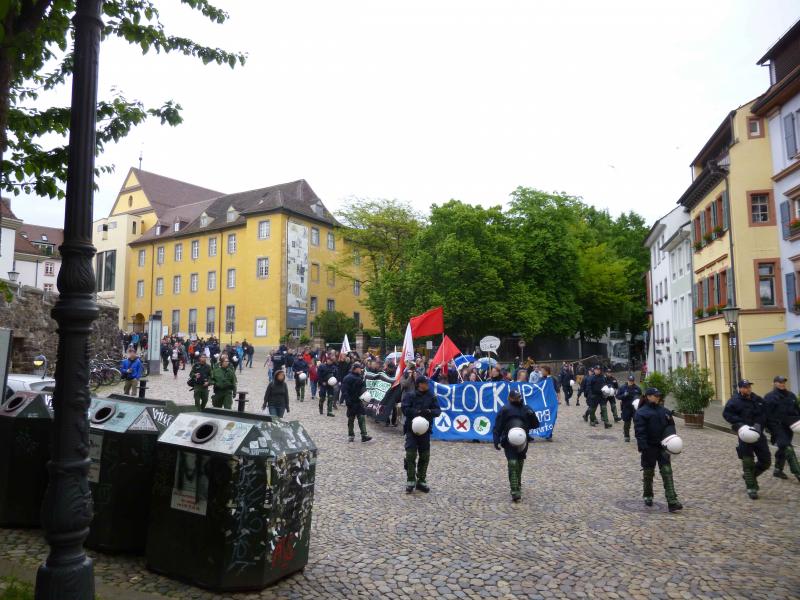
point(346, 344)
point(407, 356)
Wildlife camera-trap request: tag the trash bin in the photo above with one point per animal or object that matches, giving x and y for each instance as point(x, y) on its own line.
point(26, 424)
point(123, 431)
point(232, 498)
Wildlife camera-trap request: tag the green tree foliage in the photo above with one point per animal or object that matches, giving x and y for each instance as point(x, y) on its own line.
point(333, 325)
point(36, 57)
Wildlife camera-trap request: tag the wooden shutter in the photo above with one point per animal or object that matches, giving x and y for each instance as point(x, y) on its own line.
point(789, 136)
point(785, 219)
point(717, 290)
point(702, 223)
point(726, 209)
point(706, 296)
point(791, 290)
point(713, 210)
point(695, 299)
point(731, 295)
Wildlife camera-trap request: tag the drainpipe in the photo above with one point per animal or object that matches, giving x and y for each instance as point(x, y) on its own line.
point(220, 249)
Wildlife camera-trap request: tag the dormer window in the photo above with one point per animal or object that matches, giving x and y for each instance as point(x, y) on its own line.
point(44, 237)
point(158, 229)
point(203, 220)
point(177, 226)
point(231, 215)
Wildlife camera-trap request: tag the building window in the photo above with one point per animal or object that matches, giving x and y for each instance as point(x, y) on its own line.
point(231, 243)
point(176, 284)
point(331, 276)
point(331, 305)
point(192, 321)
point(313, 304)
point(231, 278)
point(203, 220)
point(176, 226)
point(48, 287)
point(195, 249)
point(176, 321)
point(331, 241)
point(357, 319)
point(194, 282)
point(760, 213)
point(159, 286)
point(263, 230)
point(130, 201)
point(142, 257)
point(211, 319)
point(133, 227)
point(262, 268)
point(755, 127)
point(105, 271)
point(315, 236)
point(212, 280)
point(790, 135)
point(50, 268)
point(767, 292)
point(178, 252)
point(313, 329)
point(315, 272)
point(160, 255)
point(356, 287)
point(140, 288)
point(231, 215)
point(158, 229)
point(212, 246)
point(230, 318)
point(356, 257)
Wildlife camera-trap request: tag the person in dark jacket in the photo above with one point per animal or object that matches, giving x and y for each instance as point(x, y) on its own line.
point(580, 378)
point(652, 424)
point(514, 414)
point(352, 388)
point(612, 382)
point(342, 370)
point(421, 402)
point(596, 397)
point(783, 410)
point(565, 379)
point(326, 391)
point(300, 366)
point(627, 394)
point(199, 380)
point(276, 397)
point(747, 408)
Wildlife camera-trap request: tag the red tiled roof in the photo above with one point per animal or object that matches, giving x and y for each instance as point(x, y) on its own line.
point(27, 234)
point(165, 193)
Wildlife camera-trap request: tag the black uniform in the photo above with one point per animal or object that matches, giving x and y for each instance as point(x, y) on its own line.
point(325, 372)
point(300, 366)
point(652, 424)
point(510, 416)
point(352, 388)
point(750, 410)
point(611, 381)
point(417, 403)
point(782, 411)
point(627, 394)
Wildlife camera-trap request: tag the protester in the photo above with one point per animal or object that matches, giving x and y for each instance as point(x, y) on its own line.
point(783, 410)
point(199, 380)
point(276, 397)
point(312, 376)
point(131, 369)
point(513, 415)
point(175, 358)
point(746, 409)
point(418, 403)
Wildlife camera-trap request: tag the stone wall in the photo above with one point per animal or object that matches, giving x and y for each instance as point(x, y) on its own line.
point(28, 314)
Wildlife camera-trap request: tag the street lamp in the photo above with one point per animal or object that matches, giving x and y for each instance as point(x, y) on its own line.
point(40, 361)
point(731, 315)
point(13, 276)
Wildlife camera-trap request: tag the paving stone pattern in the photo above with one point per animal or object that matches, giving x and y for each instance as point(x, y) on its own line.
point(581, 530)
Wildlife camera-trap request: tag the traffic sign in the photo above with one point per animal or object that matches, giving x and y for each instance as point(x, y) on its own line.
point(521, 343)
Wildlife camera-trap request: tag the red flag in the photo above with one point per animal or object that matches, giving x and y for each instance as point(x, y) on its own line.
point(429, 323)
point(446, 352)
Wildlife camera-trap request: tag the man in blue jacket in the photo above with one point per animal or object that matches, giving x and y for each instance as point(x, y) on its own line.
point(131, 369)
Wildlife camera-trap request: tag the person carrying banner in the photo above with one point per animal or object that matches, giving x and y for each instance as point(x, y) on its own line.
point(326, 391)
point(421, 402)
point(747, 413)
point(514, 415)
point(652, 424)
point(784, 411)
point(627, 394)
point(352, 387)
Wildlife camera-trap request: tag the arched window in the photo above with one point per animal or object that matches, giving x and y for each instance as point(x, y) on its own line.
point(130, 201)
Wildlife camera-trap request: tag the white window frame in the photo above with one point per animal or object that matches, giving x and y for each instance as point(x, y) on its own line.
point(140, 288)
point(176, 284)
point(178, 252)
point(230, 279)
point(356, 287)
point(231, 243)
point(159, 286)
point(194, 282)
point(212, 246)
point(314, 238)
point(211, 281)
point(266, 227)
point(195, 249)
point(160, 255)
point(142, 257)
point(331, 241)
point(330, 305)
point(262, 273)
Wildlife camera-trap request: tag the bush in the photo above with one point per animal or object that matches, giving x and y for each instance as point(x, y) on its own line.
point(657, 380)
point(13, 589)
point(691, 388)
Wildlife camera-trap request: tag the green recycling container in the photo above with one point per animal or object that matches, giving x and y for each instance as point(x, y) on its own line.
point(123, 431)
point(26, 424)
point(231, 502)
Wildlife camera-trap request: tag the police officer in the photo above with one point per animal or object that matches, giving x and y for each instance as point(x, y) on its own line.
point(627, 394)
point(199, 380)
point(747, 408)
point(324, 372)
point(419, 402)
point(514, 414)
point(352, 388)
point(223, 376)
point(596, 398)
point(783, 410)
point(612, 382)
point(299, 367)
point(652, 424)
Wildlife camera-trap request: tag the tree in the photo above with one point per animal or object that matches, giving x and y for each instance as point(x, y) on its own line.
point(333, 325)
point(34, 37)
point(379, 232)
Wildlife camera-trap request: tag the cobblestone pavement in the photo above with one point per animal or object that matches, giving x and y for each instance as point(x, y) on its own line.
point(581, 530)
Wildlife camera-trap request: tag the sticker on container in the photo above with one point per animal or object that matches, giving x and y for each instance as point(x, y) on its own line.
point(190, 492)
point(95, 452)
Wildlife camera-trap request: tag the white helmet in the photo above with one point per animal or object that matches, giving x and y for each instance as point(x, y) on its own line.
point(302, 376)
point(571, 383)
point(235, 358)
point(748, 435)
point(332, 381)
point(216, 355)
point(197, 354)
point(607, 390)
point(636, 404)
point(420, 425)
point(673, 444)
point(366, 396)
point(517, 436)
point(795, 427)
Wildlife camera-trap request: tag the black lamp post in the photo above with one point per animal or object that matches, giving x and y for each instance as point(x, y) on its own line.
point(68, 574)
point(731, 314)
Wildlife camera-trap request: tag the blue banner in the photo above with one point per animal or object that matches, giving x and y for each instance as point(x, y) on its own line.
point(469, 409)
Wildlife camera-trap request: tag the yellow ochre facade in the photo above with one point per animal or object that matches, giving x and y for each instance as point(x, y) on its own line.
point(241, 266)
point(736, 258)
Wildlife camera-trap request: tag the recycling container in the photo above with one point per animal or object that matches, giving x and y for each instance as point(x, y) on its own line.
point(26, 424)
point(123, 431)
point(232, 498)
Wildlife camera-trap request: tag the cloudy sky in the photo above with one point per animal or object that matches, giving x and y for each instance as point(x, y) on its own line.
point(428, 100)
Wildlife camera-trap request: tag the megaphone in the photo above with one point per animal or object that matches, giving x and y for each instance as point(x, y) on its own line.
point(420, 425)
point(673, 444)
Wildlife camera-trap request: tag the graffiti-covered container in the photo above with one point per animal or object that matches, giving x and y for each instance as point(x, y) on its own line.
point(231, 502)
point(123, 431)
point(26, 424)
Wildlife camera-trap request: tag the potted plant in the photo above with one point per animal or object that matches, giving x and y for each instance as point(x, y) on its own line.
point(794, 225)
point(712, 310)
point(797, 306)
point(698, 245)
point(708, 237)
point(658, 380)
point(698, 313)
point(718, 230)
point(692, 391)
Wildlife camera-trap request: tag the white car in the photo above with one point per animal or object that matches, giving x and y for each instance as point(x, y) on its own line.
point(28, 383)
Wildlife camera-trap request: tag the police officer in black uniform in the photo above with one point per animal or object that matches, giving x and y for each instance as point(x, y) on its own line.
point(627, 394)
point(514, 414)
point(652, 424)
point(747, 408)
point(783, 411)
point(612, 382)
point(324, 372)
point(352, 388)
point(421, 402)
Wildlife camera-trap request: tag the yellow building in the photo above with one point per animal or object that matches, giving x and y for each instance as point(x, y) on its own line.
point(736, 256)
point(252, 265)
point(144, 199)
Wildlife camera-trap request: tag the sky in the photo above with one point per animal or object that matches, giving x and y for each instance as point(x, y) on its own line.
point(429, 100)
